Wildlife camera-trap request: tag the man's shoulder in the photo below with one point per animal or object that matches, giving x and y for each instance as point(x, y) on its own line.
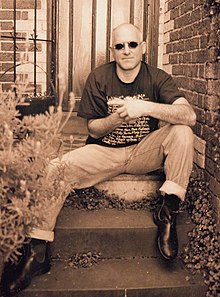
point(105, 68)
point(153, 70)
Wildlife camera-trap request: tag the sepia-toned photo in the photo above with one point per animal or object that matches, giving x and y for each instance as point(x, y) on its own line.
point(109, 148)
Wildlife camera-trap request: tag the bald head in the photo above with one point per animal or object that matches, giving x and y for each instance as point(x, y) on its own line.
point(128, 31)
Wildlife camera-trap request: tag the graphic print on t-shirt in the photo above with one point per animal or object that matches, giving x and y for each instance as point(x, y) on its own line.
point(128, 133)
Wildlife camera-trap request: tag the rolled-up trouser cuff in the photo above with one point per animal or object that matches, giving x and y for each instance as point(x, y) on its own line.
point(169, 187)
point(42, 234)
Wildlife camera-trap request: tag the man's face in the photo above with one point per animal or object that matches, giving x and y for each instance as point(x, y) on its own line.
point(128, 57)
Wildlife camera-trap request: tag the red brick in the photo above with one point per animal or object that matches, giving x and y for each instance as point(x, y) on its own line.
point(178, 46)
point(6, 66)
point(24, 15)
point(201, 71)
point(20, 46)
point(212, 118)
point(196, 15)
point(199, 56)
point(180, 58)
point(20, 4)
point(203, 41)
point(212, 103)
point(188, 5)
point(209, 135)
point(8, 15)
point(184, 82)
point(6, 56)
point(174, 13)
point(204, 26)
point(212, 151)
point(182, 9)
point(198, 3)
point(7, 78)
point(182, 21)
point(7, 46)
point(214, 185)
point(199, 159)
point(192, 97)
point(178, 70)
point(6, 26)
point(186, 32)
point(213, 87)
point(200, 114)
point(187, 58)
point(191, 44)
point(8, 35)
point(174, 35)
point(169, 48)
point(212, 54)
point(212, 70)
point(198, 129)
point(192, 70)
point(201, 100)
point(200, 86)
point(174, 3)
point(174, 59)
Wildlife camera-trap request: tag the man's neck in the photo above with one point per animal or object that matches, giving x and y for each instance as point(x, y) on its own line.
point(127, 76)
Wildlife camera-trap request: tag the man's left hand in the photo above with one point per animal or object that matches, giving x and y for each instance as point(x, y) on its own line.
point(129, 108)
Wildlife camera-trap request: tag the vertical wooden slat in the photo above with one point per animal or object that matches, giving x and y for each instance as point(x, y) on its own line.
point(152, 41)
point(93, 42)
point(101, 29)
point(35, 47)
point(82, 43)
point(132, 11)
point(155, 32)
point(145, 26)
point(138, 13)
point(108, 26)
point(121, 12)
point(14, 40)
point(71, 28)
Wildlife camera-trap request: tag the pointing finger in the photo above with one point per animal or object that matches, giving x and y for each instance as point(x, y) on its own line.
point(116, 101)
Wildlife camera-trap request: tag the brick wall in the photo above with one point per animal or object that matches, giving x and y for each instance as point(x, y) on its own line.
point(24, 28)
point(192, 56)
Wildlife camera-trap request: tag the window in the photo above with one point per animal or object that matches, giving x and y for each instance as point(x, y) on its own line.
point(28, 25)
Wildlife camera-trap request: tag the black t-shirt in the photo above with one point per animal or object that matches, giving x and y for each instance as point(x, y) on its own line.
point(103, 83)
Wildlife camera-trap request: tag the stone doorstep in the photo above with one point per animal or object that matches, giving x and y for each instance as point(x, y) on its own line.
point(112, 232)
point(117, 278)
point(132, 187)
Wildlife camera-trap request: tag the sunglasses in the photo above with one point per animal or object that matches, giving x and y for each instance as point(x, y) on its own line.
point(131, 44)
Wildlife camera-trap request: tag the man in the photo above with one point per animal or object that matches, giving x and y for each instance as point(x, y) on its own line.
point(123, 102)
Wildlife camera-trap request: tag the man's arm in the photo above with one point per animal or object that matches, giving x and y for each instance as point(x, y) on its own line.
point(101, 127)
point(180, 112)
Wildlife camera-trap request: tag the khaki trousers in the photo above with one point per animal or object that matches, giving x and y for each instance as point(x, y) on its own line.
point(170, 147)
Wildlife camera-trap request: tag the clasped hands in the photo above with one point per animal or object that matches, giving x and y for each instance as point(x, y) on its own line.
point(129, 109)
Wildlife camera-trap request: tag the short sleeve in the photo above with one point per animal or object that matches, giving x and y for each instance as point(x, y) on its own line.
point(167, 90)
point(93, 103)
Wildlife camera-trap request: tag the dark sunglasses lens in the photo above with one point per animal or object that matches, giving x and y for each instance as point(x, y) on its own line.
point(133, 44)
point(119, 46)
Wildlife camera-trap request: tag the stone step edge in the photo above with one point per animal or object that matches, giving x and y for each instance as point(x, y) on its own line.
point(102, 219)
point(116, 274)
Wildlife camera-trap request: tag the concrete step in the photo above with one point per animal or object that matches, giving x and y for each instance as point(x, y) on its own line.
point(133, 187)
point(137, 277)
point(111, 232)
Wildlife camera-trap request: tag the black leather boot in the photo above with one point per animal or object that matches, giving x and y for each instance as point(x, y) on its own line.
point(165, 218)
point(34, 260)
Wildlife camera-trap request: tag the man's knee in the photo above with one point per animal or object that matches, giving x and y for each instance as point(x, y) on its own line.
point(183, 135)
